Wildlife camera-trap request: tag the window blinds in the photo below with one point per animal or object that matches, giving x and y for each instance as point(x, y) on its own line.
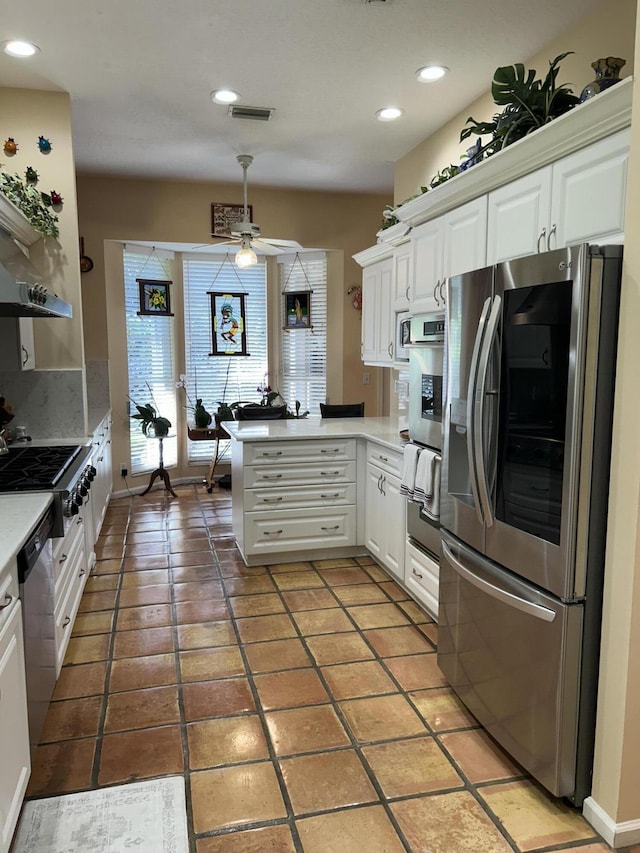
point(151, 354)
point(303, 352)
point(227, 378)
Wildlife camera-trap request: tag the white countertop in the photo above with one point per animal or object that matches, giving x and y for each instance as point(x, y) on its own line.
point(19, 513)
point(384, 430)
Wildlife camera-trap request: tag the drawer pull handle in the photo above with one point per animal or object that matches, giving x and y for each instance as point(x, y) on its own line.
point(335, 495)
point(271, 500)
point(272, 532)
point(329, 473)
point(82, 573)
point(272, 453)
point(7, 601)
point(383, 458)
point(335, 527)
point(271, 476)
point(63, 559)
point(417, 574)
point(330, 450)
point(67, 620)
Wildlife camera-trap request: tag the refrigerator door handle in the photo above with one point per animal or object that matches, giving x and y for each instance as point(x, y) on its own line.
point(528, 607)
point(481, 392)
point(471, 392)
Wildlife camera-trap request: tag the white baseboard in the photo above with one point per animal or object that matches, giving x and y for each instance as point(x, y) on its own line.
point(615, 834)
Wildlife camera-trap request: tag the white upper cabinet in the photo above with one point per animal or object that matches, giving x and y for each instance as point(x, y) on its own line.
point(402, 267)
point(518, 217)
point(449, 245)
point(377, 316)
point(580, 198)
point(589, 192)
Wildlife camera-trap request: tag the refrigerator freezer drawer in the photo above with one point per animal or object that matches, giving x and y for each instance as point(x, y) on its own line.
point(512, 654)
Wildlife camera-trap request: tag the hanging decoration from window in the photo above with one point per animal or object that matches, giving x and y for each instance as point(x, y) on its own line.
point(229, 334)
point(297, 309)
point(297, 303)
point(155, 298)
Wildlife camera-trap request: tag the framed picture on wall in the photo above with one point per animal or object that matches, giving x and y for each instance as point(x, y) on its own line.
point(228, 330)
point(155, 297)
point(297, 309)
point(225, 216)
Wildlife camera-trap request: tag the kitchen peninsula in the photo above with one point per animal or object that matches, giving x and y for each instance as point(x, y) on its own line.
point(300, 486)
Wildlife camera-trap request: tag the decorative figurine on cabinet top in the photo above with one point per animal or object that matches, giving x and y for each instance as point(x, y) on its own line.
point(607, 74)
point(44, 145)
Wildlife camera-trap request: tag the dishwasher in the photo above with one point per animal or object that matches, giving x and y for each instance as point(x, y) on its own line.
point(35, 577)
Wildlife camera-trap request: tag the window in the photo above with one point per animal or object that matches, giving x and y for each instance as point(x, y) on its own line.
point(151, 351)
point(303, 352)
point(228, 378)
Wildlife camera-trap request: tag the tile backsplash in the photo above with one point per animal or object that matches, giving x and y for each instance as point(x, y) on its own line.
point(49, 403)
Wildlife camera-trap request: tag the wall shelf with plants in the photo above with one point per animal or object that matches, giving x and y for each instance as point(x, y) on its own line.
point(582, 125)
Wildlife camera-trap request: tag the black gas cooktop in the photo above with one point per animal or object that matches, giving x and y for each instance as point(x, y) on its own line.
point(35, 468)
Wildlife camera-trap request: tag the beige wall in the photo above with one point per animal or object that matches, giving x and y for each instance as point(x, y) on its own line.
point(25, 115)
point(608, 31)
point(170, 211)
point(616, 787)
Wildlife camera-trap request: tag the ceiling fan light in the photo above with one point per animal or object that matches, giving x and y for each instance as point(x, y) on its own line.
point(246, 257)
point(389, 113)
point(19, 48)
point(431, 73)
point(225, 96)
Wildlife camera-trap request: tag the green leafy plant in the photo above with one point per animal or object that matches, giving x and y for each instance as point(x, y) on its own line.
point(149, 417)
point(31, 202)
point(528, 105)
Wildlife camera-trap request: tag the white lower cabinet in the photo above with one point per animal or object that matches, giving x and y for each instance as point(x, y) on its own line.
point(101, 485)
point(385, 508)
point(15, 762)
point(294, 498)
point(70, 572)
point(422, 578)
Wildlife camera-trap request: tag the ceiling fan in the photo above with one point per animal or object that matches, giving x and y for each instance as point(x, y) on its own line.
point(247, 233)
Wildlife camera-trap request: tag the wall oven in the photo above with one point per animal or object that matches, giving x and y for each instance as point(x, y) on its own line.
point(427, 384)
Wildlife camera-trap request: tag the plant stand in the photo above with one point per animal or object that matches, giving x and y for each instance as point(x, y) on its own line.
point(160, 471)
point(209, 434)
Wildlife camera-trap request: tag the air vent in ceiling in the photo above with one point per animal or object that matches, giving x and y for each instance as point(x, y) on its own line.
point(253, 113)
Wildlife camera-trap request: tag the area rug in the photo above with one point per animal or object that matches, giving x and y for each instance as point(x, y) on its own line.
point(148, 817)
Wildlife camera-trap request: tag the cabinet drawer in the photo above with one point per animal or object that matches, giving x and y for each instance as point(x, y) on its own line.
point(277, 452)
point(422, 578)
point(297, 530)
point(66, 558)
point(65, 615)
point(294, 497)
point(389, 460)
point(281, 475)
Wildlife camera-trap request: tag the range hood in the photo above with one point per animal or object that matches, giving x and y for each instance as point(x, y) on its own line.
point(22, 293)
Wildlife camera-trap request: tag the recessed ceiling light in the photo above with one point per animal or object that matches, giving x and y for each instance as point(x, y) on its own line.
point(19, 48)
point(389, 113)
point(225, 96)
point(430, 73)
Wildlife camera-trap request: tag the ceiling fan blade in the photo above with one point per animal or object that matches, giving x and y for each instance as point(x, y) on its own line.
point(286, 244)
point(264, 247)
point(233, 242)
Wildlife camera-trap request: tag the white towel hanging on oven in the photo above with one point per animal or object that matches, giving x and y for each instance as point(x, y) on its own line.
point(409, 469)
point(427, 482)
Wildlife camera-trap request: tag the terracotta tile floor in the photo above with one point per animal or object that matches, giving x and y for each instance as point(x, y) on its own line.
point(301, 702)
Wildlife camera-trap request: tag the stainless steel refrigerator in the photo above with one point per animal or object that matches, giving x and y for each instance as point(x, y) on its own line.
point(531, 349)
